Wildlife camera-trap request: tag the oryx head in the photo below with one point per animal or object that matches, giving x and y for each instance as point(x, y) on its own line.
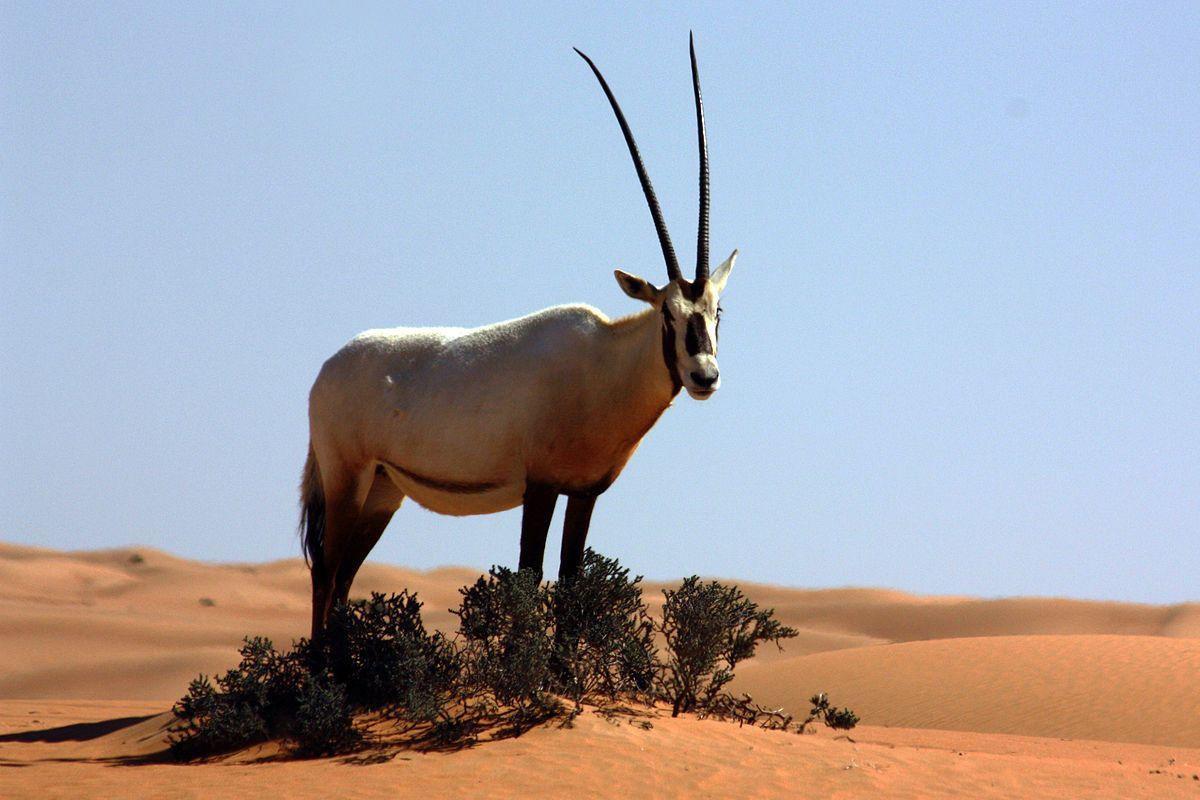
point(691, 310)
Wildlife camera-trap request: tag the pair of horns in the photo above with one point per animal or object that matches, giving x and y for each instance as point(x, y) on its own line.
point(664, 238)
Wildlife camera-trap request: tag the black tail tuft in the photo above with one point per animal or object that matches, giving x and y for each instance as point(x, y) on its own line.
point(312, 515)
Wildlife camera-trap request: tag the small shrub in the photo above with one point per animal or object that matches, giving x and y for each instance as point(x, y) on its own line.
point(379, 649)
point(266, 681)
point(604, 638)
point(259, 689)
point(324, 722)
point(208, 722)
point(505, 622)
point(833, 717)
point(744, 711)
point(268, 694)
point(708, 629)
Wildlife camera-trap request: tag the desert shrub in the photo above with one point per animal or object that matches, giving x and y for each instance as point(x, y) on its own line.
point(376, 655)
point(744, 711)
point(208, 722)
point(380, 651)
point(708, 628)
point(268, 694)
point(520, 643)
point(251, 695)
point(604, 639)
point(324, 721)
point(266, 680)
point(505, 623)
point(833, 717)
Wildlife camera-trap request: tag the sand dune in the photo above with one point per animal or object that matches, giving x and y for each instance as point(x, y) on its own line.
point(1115, 688)
point(91, 637)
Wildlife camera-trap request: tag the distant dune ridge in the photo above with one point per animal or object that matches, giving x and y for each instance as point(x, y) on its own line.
point(106, 633)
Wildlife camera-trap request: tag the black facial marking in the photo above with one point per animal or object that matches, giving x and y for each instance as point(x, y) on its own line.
point(668, 346)
point(697, 339)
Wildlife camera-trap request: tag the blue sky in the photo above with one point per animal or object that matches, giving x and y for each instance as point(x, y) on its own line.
point(960, 351)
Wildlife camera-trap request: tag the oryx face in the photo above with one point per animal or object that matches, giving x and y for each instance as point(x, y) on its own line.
point(691, 319)
point(690, 310)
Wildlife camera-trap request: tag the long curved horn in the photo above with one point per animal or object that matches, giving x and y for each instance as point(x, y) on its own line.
point(702, 227)
point(664, 238)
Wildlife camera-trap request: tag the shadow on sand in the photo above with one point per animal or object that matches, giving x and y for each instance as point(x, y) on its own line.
point(79, 732)
point(87, 732)
point(383, 740)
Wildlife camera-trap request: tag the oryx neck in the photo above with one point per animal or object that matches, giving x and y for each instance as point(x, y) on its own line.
point(647, 365)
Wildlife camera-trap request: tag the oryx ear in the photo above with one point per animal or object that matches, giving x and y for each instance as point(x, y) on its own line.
point(721, 273)
point(635, 287)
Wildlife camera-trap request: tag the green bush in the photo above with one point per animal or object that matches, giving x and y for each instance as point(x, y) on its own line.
point(324, 721)
point(254, 699)
point(505, 622)
point(268, 695)
point(833, 717)
point(207, 722)
point(520, 644)
point(604, 638)
point(266, 680)
point(380, 651)
point(708, 629)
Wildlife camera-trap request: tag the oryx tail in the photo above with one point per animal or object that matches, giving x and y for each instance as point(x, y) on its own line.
point(312, 513)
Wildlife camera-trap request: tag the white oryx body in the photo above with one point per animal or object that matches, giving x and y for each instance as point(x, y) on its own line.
point(480, 420)
point(460, 419)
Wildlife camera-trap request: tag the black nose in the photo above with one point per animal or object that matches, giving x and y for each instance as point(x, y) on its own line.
point(704, 380)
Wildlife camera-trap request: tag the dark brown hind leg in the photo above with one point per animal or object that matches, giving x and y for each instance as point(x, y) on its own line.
point(382, 501)
point(341, 521)
point(343, 502)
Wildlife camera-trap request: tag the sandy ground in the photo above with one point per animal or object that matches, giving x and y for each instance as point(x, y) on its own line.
point(960, 697)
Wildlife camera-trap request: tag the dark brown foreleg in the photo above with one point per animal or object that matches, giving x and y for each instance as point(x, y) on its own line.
point(535, 524)
point(566, 631)
point(575, 531)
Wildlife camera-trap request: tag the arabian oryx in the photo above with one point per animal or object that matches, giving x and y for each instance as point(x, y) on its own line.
point(480, 420)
